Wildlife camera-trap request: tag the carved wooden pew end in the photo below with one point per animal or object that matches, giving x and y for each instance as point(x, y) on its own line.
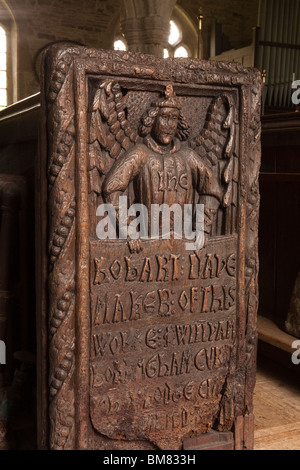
point(148, 341)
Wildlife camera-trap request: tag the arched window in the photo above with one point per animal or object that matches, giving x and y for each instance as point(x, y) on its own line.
point(175, 34)
point(181, 51)
point(3, 68)
point(176, 47)
point(120, 45)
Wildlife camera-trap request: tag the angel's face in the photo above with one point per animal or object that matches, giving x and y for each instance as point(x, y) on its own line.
point(165, 125)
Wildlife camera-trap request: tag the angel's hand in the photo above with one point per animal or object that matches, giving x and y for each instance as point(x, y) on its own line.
point(209, 215)
point(206, 239)
point(135, 246)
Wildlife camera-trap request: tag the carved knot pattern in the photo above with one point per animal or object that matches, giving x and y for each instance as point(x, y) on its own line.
point(62, 309)
point(62, 372)
point(61, 281)
point(66, 426)
point(62, 152)
point(61, 406)
point(58, 76)
point(61, 234)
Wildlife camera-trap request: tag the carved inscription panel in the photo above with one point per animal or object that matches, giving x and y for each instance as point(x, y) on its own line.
point(162, 337)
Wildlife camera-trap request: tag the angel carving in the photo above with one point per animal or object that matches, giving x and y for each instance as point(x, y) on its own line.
point(161, 164)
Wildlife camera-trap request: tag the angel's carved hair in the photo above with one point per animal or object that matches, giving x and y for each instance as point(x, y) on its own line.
point(148, 118)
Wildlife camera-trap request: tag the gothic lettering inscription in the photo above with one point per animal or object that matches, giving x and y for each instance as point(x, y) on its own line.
point(163, 330)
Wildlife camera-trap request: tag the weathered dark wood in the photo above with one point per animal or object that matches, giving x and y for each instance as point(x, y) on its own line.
point(147, 343)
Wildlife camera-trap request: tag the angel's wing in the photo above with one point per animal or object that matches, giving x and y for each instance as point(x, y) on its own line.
point(216, 146)
point(110, 134)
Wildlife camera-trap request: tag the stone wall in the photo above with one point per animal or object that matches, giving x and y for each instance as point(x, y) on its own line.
point(237, 18)
point(40, 22)
point(94, 23)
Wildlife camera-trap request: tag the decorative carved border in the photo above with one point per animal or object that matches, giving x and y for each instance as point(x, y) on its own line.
point(65, 71)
